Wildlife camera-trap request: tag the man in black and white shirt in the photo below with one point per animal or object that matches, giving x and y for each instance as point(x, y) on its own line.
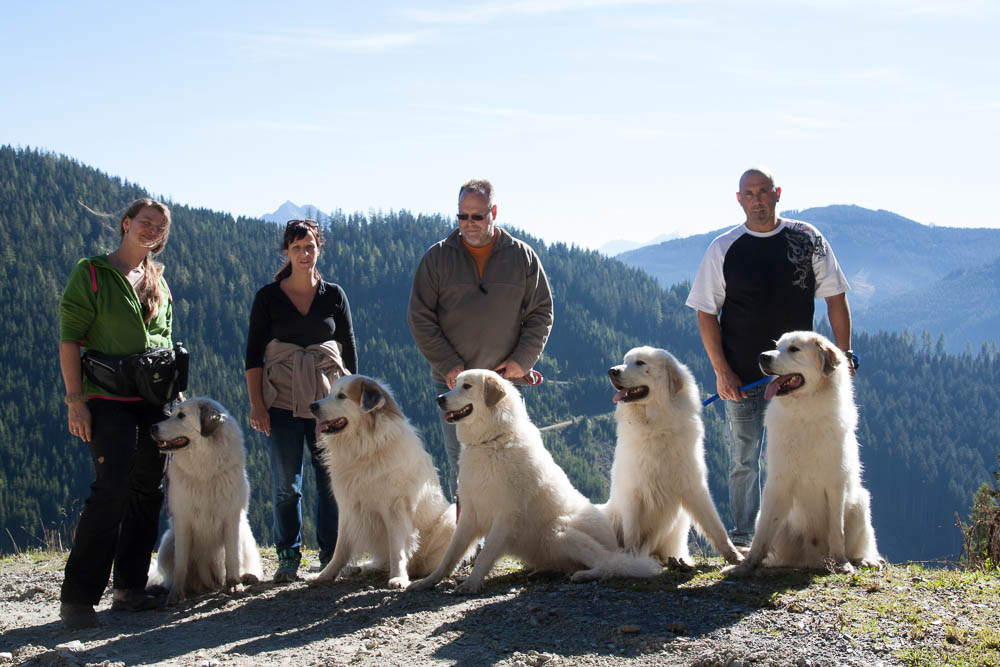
point(756, 282)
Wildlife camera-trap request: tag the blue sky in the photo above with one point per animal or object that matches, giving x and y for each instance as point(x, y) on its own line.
point(595, 119)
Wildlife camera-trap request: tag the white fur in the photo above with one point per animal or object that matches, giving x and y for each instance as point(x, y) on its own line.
point(814, 511)
point(659, 481)
point(388, 495)
point(209, 543)
point(515, 496)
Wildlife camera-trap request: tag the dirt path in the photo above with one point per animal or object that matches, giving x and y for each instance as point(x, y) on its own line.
point(693, 618)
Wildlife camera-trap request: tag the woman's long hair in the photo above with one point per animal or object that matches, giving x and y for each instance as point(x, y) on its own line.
point(295, 230)
point(149, 289)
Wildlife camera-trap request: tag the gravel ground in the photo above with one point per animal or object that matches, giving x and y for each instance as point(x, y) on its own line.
point(902, 615)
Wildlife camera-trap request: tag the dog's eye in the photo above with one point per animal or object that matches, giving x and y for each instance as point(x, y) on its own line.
point(466, 386)
point(793, 349)
point(341, 396)
point(640, 363)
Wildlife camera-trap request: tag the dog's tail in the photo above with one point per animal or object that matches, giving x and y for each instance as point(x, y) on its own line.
point(624, 564)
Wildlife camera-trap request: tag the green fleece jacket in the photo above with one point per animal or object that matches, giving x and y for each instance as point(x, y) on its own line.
point(101, 311)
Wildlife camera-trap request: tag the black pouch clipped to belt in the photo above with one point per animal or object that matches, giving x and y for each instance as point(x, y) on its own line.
point(157, 375)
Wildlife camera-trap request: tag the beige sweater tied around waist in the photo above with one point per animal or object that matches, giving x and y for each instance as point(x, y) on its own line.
point(296, 376)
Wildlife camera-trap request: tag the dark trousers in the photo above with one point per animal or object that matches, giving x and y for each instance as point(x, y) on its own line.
point(120, 519)
point(288, 432)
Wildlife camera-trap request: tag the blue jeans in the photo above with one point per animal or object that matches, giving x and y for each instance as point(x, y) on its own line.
point(451, 446)
point(745, 436)
point(287, 434)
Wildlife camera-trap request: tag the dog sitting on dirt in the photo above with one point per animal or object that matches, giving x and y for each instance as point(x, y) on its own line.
point(659, 480)
point(209, 544)
point(517, 497)
point(389, 497)
point(814, 511)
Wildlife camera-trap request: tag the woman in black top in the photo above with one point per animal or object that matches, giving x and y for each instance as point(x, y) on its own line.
point(301, 309)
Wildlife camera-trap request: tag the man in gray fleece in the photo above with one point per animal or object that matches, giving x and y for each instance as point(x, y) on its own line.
point(480, 299)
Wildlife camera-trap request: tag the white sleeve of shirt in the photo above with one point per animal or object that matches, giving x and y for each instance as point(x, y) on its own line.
point(708, 291)
point(830, 280)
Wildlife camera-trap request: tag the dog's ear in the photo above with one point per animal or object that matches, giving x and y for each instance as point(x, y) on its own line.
point(493, 391)
point(830, 356)
point(211, 418)
point(674, 379)
point(372, 397)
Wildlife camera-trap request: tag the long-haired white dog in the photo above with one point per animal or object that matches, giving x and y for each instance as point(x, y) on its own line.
point(209, 544)
point(814, 511)
point(659, 481)
point(517, 497)
point(389, 498)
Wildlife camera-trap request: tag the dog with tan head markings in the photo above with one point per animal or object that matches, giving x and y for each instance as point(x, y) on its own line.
point(388, 494)
point(517, 497)
point(209, 544)
point(659, 480)
point(814, 511)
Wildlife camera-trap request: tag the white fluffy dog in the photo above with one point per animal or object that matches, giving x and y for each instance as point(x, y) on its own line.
point(209, 544)
point(515, 495)
point(389, 498)
point(814, 511)
point(659, 481)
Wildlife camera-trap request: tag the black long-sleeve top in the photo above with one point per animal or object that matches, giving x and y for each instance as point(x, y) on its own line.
point(273, 315)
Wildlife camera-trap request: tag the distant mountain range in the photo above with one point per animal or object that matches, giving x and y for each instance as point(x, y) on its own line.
point(292, 211)
point(904, 275)
point(618, 246)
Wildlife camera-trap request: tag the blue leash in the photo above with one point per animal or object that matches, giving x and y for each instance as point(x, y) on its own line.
point(764, 380)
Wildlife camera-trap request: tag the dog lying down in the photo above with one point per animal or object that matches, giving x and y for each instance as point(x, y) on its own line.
point(209, 544)
point(814, 511)
point(659, 480)
point(515, 495)
point(389, 498)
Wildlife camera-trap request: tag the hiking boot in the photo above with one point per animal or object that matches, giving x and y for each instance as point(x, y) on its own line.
point(76, 616)
point(135, 599)
point(288, 566)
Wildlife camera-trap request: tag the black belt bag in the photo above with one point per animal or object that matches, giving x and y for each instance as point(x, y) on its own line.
point(157, 374)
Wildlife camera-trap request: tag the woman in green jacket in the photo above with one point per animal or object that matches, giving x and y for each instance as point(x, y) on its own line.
point(117, 304)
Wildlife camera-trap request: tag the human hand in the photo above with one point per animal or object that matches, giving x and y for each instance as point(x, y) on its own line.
point(260, 420)
point(79, 420)
point(728, 385)
point(452, 375)
point(510, 369)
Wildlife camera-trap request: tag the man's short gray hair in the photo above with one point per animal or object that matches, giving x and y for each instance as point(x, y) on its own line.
point(759, 169)
point(481, 187)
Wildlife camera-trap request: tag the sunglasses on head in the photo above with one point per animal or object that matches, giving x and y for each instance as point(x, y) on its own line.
point(300, 223)
point(475, 216)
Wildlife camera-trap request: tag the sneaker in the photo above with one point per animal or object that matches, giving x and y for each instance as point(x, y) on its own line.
point(135, 599)
point(288, 566)
point(76, 616)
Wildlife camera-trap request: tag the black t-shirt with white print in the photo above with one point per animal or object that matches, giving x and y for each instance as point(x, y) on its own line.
point(764, 285)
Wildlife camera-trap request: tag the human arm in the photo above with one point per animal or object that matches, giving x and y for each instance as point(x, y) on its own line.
point(260, 420)
point(422, 316)
point(78, 420)
point(344, 335)
point(727, 382)
point(839, 313)
point(536, 321)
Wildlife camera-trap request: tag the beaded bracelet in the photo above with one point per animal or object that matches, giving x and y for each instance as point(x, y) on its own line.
point(75, 398)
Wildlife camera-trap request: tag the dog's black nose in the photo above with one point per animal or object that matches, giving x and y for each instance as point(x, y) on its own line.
point(614, 371)
point(441, 399)
point(314, 406)
point(764, 360)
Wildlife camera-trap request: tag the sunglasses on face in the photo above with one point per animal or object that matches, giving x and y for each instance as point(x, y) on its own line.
point(475, 216)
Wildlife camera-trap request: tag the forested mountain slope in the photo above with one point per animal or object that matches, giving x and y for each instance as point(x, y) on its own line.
point(927, 441)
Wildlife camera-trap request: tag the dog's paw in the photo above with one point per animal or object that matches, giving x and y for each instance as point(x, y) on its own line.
point(424, 584)
point(399, 582)
point(176, 597)
point(744, 569)
point(232, 586)
point(734, 557)
point(679, 564)
point(584, 576)
point(843, 568)
point(249, 579)
point(468, 587)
